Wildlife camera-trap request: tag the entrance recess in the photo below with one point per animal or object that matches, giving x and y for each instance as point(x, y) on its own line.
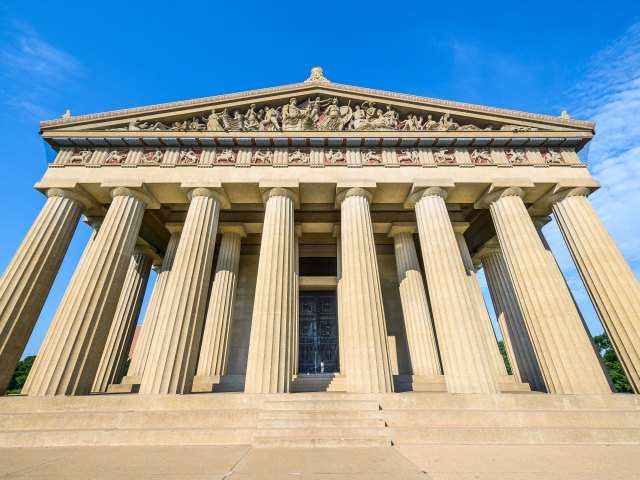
point(318, 342)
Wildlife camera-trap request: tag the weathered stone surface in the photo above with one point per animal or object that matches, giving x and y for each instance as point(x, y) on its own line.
point(26, 282)
point(124, 322)
point(174, 350)
point(71, 351)
point(269, 365)
point(564, 348)
point(465, 361)
point(367, 355)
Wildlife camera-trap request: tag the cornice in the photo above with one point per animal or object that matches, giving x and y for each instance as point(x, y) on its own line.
point(319, 86)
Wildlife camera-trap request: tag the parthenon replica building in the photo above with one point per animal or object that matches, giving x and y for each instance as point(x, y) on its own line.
point(317, 237)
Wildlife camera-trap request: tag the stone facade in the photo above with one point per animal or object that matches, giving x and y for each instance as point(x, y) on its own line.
point(243, 201)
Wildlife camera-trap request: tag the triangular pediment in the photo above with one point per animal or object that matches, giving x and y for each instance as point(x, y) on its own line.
point(316, 106)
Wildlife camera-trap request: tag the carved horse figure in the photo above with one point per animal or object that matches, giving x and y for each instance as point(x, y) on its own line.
point(188, 156)
point(82, 156)
point(443, 156)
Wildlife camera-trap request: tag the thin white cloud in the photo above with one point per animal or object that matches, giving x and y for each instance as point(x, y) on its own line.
point(609, 94)
point(32, 70)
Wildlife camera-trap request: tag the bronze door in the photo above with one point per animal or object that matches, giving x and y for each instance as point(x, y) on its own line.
point(318, 342)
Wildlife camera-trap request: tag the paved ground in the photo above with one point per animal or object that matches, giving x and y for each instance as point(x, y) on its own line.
point(436, 462)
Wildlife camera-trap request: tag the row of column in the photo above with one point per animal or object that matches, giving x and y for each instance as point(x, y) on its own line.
point(544, 330)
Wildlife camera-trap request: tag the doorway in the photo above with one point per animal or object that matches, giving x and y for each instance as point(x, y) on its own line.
point(318, 337)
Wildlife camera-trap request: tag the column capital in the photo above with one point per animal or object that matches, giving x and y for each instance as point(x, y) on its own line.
point(494, 194)
point(280, 192)
point(460, 227)
point(233, 228)
point(421, 193)
point(540, 221)
point(402, 227)
point(139, 194)
point(93, 222)
point(558, 194)
point(348, 192)
point(489, 248)
point(174, 227)
point(143, 248)
point(218, 195)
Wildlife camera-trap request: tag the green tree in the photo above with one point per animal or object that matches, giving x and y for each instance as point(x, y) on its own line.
point(612, 363)
point(20, 375)
point(503, 352)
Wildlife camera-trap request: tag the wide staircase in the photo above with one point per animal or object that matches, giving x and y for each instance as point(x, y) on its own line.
point(321, 420)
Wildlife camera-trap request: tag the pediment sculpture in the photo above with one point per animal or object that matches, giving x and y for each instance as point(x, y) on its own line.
point(315, 114)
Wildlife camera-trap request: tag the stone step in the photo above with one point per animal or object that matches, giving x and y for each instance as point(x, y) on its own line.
point(315, 423)
point(523, 436)
point(319, 414)
point(337, 432)
point(180, 436)
point(131, 420)
point(427, 418)
point(319, 442)
point(295, 404)
point(508, 401)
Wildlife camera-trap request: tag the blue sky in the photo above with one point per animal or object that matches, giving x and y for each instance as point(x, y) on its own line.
point(540, 57)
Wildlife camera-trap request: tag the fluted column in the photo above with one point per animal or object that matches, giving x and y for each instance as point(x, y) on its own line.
point(367, 355)
point(340, 303)
point(69, 357)
point(296, 307)
point(563, 346)
point(125, 319)
point(486, 329)
point(174, 347)
point(465, 362)
point(612, 286)
point(423, 349)
point(512, 325)
point(150, 320)
point(214, 350)
point(269, 365)
point(26, 282)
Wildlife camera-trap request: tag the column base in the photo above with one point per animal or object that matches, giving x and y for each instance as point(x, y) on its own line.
point(508, 384)
point(123, 388)
point(419, 383)
point(216, 383)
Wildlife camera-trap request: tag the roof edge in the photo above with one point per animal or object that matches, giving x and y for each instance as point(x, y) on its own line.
point(321, 84)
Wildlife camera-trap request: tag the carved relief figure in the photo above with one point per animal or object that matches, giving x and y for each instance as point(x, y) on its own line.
point(336, 156)
point(371, 156)
point(390, 118)
point(153, 156)
point(318, 114)
point(444, 155)
point(335, 117)
point(292, 116)
point(553, 157)
point(83, 156)
point(226, 156)
point(410, 124)
point(116, 157)
point(263, 156)
point(517, 128)
point(251, 119)
point(481, 156)
point(516, 156)
point(271, 117)
point(188, 156)
point(298, 156)
point(408, 156)
point(213, 122)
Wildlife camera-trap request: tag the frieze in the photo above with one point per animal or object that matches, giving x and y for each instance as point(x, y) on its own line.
point(315, 114)
point(326, 156)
